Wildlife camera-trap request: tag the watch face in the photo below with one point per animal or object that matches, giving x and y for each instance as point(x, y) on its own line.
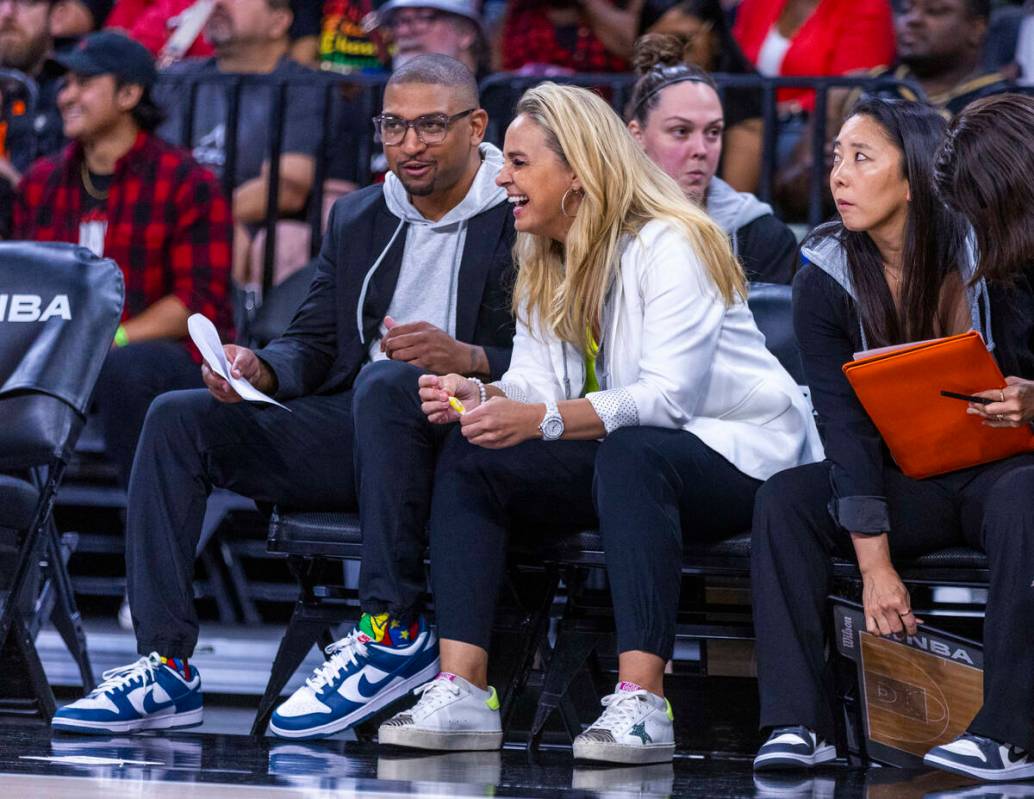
point(552, 429)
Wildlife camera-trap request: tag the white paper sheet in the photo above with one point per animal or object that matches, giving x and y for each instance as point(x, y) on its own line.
point(206, 338)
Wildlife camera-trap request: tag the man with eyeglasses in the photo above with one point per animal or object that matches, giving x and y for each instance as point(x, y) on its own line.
point(449, 27)
point(26, 132)
point(414, 276)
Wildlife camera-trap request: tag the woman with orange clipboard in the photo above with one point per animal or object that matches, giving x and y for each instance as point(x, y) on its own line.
point(897, 268)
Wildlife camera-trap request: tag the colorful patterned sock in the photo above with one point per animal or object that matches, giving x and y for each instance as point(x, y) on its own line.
point(374, 627)
point(388, 631)
point(182, 665)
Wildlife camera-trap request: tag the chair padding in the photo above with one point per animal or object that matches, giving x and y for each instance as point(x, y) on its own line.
point(18, 500)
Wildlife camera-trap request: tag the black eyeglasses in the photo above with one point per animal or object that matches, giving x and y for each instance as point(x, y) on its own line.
point(430, 128)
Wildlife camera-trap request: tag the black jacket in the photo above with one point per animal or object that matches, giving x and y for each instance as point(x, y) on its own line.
point(828, 334)
point(321, 353)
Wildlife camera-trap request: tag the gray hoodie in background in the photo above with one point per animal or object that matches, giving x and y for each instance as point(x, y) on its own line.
point(765, 246)
point(426, 289)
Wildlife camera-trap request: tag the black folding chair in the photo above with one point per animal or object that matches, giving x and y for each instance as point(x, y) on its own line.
point(59, 307)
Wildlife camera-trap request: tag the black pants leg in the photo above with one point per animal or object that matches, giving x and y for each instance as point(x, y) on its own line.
point(395, 452)
point(132, 376)
point(190, 443)
point(479, 496)
point(654, 487)
point(794, 538)
point(998, 517)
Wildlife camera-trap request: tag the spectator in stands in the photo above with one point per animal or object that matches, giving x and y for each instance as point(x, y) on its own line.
point(25, 45)
point(940, 45)
point(448, 27)
point(809, 38)
point(676, 116)
point(667, 368)
point(897, 268)
point(388, 251)
point(711, 46)
point(250, 38)
point(122, 192)
point(156, 23)
point(569, 36)
point(983, 170)
point(72, 19)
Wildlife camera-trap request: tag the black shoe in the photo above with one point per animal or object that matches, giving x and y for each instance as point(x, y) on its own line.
point(793, 747)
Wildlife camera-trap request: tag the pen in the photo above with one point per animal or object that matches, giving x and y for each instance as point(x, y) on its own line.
point(966, 397)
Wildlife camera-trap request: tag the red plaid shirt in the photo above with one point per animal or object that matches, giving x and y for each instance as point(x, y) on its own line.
point(169, 226)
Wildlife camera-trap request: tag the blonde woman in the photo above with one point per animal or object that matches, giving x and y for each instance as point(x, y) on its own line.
point(640, 397)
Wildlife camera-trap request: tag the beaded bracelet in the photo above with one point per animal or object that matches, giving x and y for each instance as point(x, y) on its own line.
point(482, 393)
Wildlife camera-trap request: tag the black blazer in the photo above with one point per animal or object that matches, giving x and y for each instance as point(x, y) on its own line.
point(321, 352)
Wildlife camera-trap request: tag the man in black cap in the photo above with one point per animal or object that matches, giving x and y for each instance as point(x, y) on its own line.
point(122, 192)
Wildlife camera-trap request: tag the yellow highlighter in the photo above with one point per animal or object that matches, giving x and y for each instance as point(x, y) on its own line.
point(457, 406)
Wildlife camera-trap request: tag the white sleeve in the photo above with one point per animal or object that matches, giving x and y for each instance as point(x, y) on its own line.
point(530, 376)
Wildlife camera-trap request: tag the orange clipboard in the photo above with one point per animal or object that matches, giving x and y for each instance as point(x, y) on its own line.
point(928, 434)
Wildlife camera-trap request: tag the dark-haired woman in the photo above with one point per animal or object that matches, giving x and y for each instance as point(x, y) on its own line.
point(677, 117)
point(897, 267)
point(711, 46)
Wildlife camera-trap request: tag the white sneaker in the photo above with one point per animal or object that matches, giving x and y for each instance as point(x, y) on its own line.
point(452, 715)
point(635, 727)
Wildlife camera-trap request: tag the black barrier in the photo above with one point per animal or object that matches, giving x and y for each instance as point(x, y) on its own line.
point(14, 83)
point(346, 144)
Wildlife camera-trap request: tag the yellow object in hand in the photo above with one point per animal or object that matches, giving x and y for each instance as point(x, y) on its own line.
point(457, 406)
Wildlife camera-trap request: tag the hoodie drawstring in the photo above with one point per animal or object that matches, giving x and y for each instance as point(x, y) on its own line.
point(369, 276)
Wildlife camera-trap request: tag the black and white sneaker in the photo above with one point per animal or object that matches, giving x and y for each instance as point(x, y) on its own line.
point(982, 758)
point(793, 747)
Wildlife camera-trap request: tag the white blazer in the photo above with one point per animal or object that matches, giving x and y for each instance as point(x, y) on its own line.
point(675, 356)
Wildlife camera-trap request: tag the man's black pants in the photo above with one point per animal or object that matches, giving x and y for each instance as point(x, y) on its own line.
point(301, 460)
point(132, 376)
point(795, 537)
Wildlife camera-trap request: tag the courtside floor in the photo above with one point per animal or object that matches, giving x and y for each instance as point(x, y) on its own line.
point(198, 765)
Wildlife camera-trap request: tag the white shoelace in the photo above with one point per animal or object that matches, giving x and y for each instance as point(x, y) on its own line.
point(341, 654)
point(621, 709)
point(434, 695)
point(113, 679)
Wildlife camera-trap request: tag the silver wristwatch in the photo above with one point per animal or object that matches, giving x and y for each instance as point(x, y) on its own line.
point(552, 424)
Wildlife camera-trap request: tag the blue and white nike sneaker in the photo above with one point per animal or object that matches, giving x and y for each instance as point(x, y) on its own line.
point(359, 678)
point(982, 758)
point(146, 695)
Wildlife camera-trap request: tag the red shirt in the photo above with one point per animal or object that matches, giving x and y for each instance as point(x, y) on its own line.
point(841, 36)
point(168, 225)
point(147, 21)
point(530, 38)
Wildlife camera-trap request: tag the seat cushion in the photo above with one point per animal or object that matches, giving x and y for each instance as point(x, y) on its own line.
point(18, 500)
point(326, 533)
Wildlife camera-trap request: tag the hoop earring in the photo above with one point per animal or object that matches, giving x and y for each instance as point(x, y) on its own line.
point(563, 202)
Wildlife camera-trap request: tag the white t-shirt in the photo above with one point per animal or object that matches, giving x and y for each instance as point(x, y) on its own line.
point(773, 51)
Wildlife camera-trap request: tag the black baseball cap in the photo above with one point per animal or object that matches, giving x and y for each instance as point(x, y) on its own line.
point(108, 52)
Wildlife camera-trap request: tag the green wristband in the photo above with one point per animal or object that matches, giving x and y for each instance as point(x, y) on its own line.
point(121, 339)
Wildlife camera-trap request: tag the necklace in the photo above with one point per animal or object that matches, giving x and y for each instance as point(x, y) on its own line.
point(92, 190)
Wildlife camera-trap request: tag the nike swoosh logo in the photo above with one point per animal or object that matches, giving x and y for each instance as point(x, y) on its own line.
point(150, 706)
point(358, 689)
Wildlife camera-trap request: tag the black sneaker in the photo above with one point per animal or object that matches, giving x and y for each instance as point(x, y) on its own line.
point(982, 758)
point(793, 747)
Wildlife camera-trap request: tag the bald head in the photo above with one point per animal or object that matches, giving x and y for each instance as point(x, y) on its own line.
point(439, 70)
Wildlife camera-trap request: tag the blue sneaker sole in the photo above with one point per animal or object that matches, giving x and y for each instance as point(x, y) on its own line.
point(357, 716)
point(191, 718)
point(989, 775)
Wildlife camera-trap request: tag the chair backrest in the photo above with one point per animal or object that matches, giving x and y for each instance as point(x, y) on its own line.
point(59, 308)
point(772, 306)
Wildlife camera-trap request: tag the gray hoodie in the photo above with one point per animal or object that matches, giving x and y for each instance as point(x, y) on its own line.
point(828, 254)
point(426, 288)
point(733, 209)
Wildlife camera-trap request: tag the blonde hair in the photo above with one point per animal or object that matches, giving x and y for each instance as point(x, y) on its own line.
point(565, 285)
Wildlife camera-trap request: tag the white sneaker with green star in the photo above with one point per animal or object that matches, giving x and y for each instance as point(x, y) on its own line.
point(635, 727)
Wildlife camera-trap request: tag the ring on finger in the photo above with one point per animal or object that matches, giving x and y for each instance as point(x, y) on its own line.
point(1000, 417)
point(1002, 392)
